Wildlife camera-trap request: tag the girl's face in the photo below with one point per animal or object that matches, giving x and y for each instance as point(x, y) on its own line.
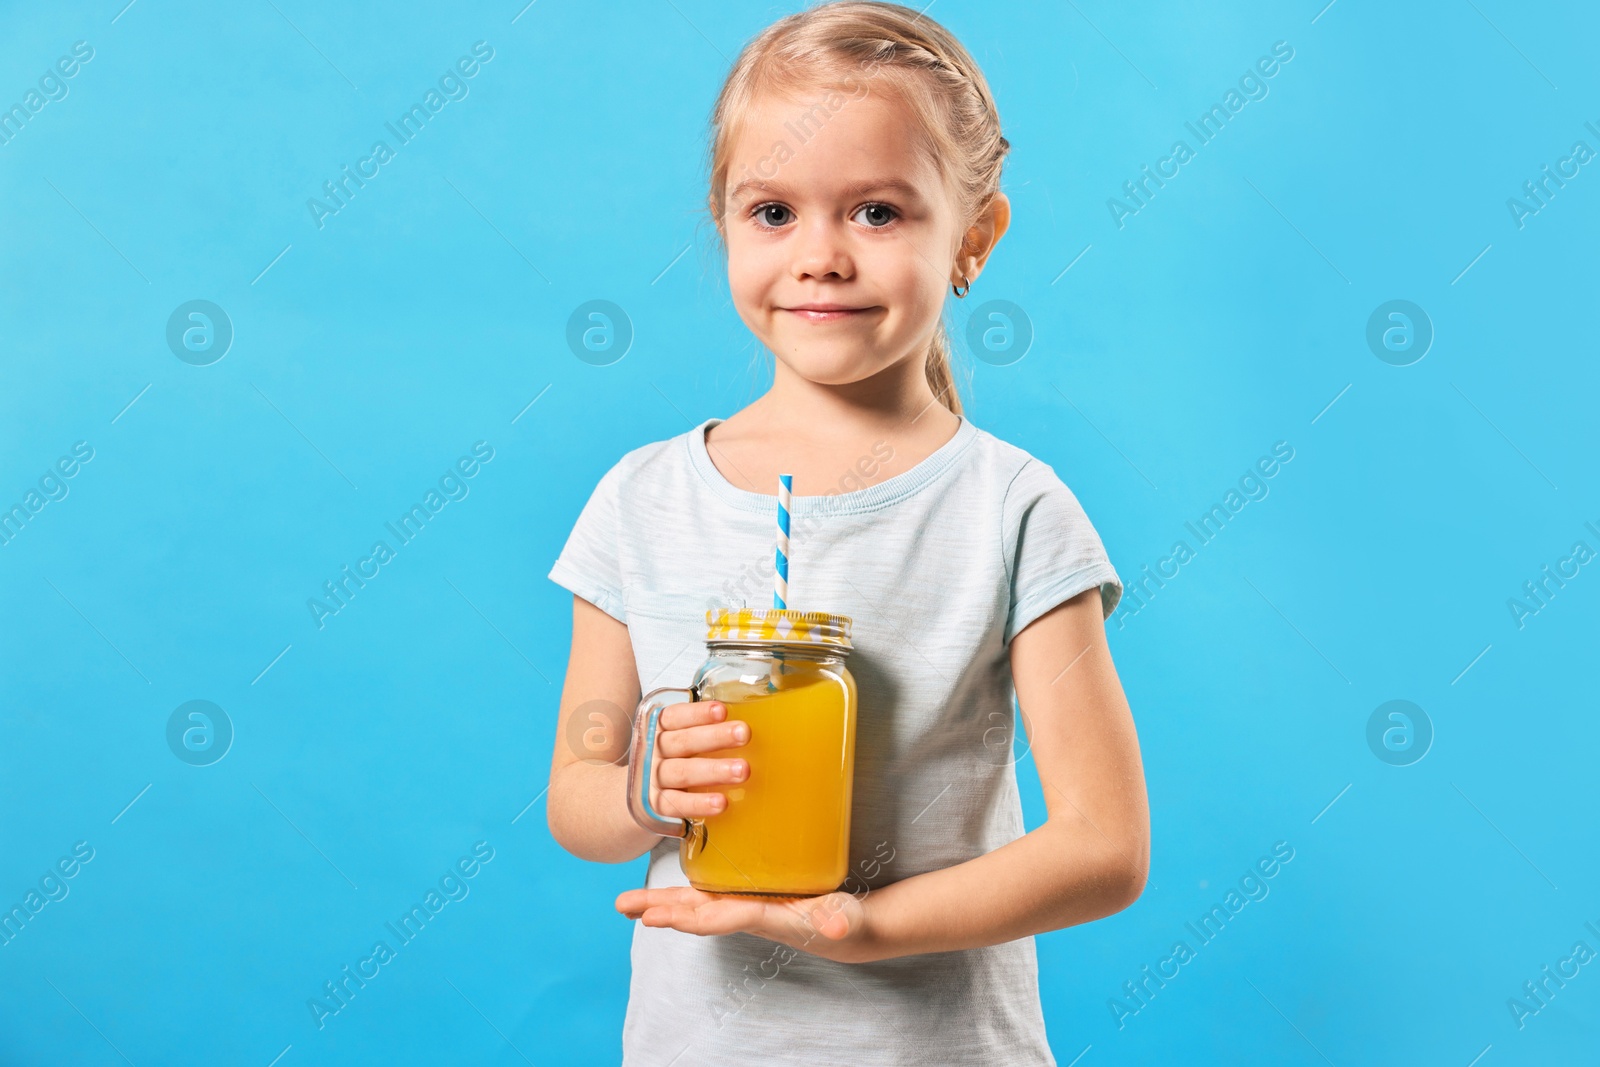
point(841, 235)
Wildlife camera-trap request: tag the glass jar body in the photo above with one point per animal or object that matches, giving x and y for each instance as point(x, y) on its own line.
point(786, 829)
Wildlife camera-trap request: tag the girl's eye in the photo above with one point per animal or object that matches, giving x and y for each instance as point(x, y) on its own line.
point(763, 213)
point(774, 216)
point(878, 212)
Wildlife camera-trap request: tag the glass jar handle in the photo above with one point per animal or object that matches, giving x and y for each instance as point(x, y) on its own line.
point(641, 761)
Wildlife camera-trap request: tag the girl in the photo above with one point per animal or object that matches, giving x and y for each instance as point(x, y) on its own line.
point(855, 170)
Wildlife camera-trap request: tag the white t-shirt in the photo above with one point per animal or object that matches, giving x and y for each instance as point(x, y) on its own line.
point(938, 567)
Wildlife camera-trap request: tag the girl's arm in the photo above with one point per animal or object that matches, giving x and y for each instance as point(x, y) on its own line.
point(1088, 860)
point(587, 805)
point(1091, 856)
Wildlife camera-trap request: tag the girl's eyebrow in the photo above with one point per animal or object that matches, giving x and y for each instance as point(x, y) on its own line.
point(856, 188)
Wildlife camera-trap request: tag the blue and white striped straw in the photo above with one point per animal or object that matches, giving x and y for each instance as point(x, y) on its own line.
point(780, 591)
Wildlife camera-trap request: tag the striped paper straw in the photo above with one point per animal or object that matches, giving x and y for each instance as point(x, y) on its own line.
point(780, 591)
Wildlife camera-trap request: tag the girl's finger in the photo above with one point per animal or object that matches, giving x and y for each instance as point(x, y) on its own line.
point(693, 740)
point(679, 804)
point(830, 923)
point(698, 713)
point(692, 911)
point(716, 917)
point(675, 917)
point(682, 773)
point(639, 899)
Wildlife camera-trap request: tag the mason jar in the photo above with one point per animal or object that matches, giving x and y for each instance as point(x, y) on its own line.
point(786, 828)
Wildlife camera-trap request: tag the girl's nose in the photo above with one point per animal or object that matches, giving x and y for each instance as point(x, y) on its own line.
point(821, 251)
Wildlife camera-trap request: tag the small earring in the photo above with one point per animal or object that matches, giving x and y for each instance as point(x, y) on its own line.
point(963, 289)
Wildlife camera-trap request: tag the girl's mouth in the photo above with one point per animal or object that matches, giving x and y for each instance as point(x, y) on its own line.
point(826, 312)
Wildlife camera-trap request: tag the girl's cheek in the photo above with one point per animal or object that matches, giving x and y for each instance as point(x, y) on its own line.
point(746, 297)
point(916, 289)
point(746, 262)
point(752, 282)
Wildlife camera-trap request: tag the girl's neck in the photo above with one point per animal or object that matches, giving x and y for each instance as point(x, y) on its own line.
point(832, 438)
point(893, 401)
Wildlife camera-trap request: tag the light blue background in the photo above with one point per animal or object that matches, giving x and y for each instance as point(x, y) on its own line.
point(427, 314)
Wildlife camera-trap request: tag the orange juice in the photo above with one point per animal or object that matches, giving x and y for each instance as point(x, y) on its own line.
point(786, 829)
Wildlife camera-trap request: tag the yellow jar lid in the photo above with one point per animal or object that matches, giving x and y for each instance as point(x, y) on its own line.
point(778, 625)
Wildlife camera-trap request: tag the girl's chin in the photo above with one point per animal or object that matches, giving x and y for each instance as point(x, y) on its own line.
point(831, 363)
point(842, 371)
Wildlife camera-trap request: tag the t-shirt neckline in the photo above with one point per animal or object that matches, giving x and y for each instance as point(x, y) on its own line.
point(883, 494)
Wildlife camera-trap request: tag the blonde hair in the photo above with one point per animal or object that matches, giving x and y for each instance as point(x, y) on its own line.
point(830, 46)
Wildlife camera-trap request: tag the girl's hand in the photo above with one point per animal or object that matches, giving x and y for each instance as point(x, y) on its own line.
point(686, 730)
point(832, 926)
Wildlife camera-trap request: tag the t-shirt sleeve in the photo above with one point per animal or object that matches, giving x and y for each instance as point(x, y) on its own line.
point(1052, 550)
point(589, 564)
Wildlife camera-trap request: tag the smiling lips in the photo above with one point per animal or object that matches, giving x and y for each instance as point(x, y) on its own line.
point(825, 312)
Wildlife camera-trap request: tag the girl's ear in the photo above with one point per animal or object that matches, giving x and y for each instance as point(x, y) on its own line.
point(981, 237)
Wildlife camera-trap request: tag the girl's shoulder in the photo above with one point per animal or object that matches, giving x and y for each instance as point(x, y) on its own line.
point(650, 459)
point(1028, 491)
point(1001, 452)
point(658, 474)
point(1013, 466)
